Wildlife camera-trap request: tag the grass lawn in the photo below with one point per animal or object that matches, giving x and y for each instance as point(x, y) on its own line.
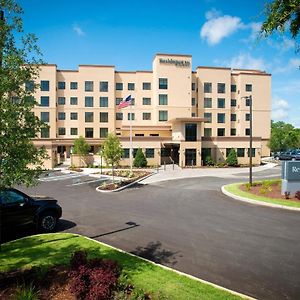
point(53, 249)
point(234, 189)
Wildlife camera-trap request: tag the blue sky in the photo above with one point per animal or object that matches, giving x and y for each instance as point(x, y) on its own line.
point(127, 34)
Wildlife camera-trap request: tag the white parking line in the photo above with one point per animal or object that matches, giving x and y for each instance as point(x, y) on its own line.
point(62, 177)
point(89, 181)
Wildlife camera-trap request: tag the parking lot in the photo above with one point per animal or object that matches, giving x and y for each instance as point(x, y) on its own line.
point(189, 225)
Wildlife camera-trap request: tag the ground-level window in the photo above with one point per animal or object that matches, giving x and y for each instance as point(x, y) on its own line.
point(253, 152)
point(149, 152)
point(125, 153)
point(240, 152)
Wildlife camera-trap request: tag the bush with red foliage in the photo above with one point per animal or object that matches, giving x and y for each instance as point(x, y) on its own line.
point(297, 195)
point(93, 279)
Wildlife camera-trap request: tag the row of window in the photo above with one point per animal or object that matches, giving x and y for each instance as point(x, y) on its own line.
point(239, 151)
point(221, 117)
point(221, 132)
point(221, 87)
point(149, 152)
point(221, 102)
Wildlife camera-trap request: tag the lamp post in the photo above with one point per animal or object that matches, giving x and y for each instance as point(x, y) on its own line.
point(1, 37)
point(249, 98)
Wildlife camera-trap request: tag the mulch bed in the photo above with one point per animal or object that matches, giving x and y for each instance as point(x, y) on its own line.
point(54, 284)
point(274, 192)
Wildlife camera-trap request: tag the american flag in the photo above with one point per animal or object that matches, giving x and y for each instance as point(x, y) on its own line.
point(126, 102)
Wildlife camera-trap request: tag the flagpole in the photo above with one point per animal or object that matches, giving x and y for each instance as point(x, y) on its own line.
point(131, 154)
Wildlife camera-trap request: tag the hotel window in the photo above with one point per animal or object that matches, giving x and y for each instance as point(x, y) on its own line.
point(163, 83)
point(61, 131)
point(44, 85)
point(132, 101)
point(247, 117)
point(130, 116)
point(233, 88)
point(193, 86)
point(44, 101)
point(248, 87)
point(74, 131)
point(146, 101)
point(89, 101)
point(221, 131)
point(207, 103)
point(221, 118)
point(61, 116)
point(163, 99)
point(103, 86)
point(146, 85)
point(221, 88)
point(149, 152)
point(163, 115)
point(207, 132)
point(104, 117)
point(191, 132)
point(89, 132)
point(73, 116)
point(103, 101)
point(233, 117)
point(45, 116)
point(253, 152)
point(247, 131)
point(221, 103)
point(154, 134)
point(119, 116)
point(146, 116)
point(247, 102)
point(119, 86)
point(193, 101)
point(193, 115)
point(240, 152)
point(103, 132)
point(208, 117)
point(61, 101)
point(233, 131)
point(207, 87)
point(228, 151)
point(45, 133)
point(233, 102)
point(88, 86)
point(134, 152)
point(125, 153)
point(29, 85)
point(61, 85)
point(130, 86)
point(89, 117)
point(73, 101)
point(73, 85)
point(118, 101)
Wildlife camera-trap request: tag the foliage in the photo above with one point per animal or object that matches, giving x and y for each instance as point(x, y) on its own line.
point(140, 160)
point(81, 146)
point(19, 59)
point(26, 293)
point(209, 161)
point(280, 15)
point(112, 150)
point(92, 279)
point(297, 195)
point(232, 159)
point(284, 136)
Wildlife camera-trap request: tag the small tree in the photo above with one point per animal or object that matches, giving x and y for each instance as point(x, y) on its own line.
point(112, 151)
point(140, 160)
point(231, 159)
point(81, 147)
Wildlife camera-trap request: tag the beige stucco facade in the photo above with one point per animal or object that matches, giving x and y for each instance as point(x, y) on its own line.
point(180, 115)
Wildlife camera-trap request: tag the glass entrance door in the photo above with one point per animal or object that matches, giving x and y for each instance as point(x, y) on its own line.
point(190, 157)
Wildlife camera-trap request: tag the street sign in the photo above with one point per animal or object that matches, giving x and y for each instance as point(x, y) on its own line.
point(290, 174)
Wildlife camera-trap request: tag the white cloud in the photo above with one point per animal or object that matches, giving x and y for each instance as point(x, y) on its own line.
point(280, 109)
point(245, 61)
point(218, 27)
point(78, 30)
point(255, 29)
point(282, 43)
point(292, 65)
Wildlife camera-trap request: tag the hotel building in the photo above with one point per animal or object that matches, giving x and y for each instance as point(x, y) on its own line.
point(177, 115)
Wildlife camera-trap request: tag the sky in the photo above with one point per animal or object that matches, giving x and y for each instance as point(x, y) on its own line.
point(129, 33)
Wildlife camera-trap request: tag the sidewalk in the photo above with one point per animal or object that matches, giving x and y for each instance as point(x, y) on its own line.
point(179, 173)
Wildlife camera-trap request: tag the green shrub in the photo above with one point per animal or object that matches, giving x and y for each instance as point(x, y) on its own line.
point(262, 190)
point(248, 186)
point(26, 293)
point(140, 160)
point(208, 161)
point(231, 159)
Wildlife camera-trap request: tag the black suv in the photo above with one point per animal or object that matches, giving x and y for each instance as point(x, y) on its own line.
point(19, 209)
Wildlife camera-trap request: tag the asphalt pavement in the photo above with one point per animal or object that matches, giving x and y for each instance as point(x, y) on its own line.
point(188, 224)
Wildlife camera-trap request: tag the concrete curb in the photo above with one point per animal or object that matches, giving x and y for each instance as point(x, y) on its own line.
point(175, 271)
point(256, 202)
point(123, 187)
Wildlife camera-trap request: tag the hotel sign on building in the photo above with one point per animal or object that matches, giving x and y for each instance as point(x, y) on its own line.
point(177, 114)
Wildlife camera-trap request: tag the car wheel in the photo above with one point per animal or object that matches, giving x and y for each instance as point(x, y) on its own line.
point(47, 222)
